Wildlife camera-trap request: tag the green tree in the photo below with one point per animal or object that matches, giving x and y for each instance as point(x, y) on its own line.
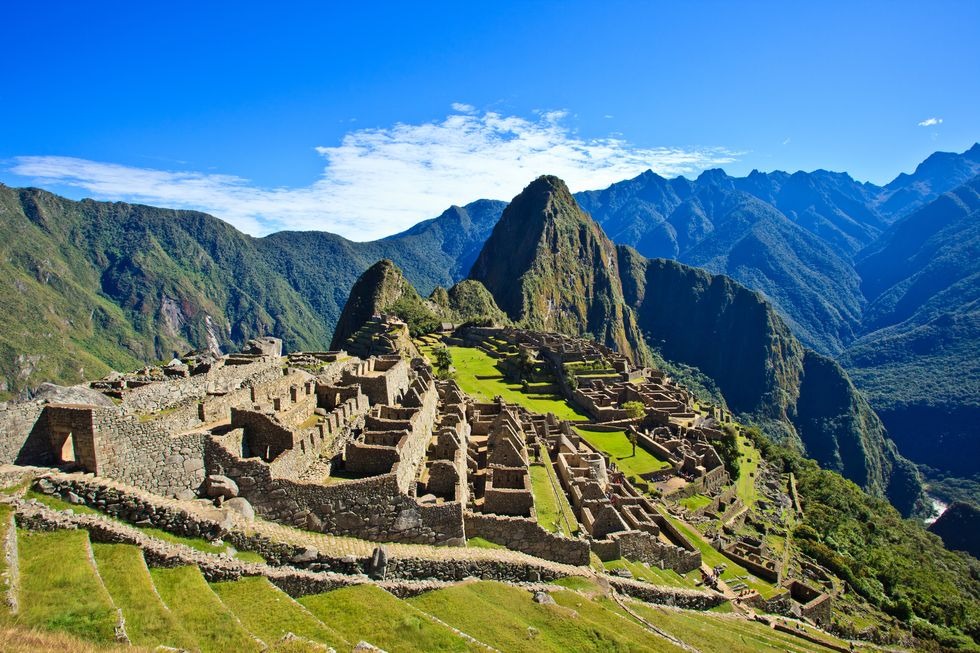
point(635, 409)
point(444, 360)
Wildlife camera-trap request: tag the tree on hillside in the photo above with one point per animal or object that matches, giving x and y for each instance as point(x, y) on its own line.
point(631, 435)
point(525, 364)
point(444, 361)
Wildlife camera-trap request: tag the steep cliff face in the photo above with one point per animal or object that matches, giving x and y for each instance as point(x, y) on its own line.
point(735, 337)
point(551, 268)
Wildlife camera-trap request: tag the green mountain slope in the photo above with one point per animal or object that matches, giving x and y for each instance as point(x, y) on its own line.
point(110, 284)
point(918, 360)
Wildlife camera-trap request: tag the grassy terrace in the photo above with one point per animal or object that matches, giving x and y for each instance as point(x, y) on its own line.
point(507, 618)
point(148, 621)
point(370, 613)
point(269, 613)
point(55, 503)
point(550, 503)
point(718, 634)
point(60, 589)
point(478, 376)
point(617, 445)
point(655, 575)
point(200, 611)
point(695, 501)
point(733, 572)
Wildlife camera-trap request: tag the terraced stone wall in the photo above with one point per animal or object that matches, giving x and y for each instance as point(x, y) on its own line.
point(527, 536)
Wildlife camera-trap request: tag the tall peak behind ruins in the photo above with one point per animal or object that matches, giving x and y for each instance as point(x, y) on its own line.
point(550, 267)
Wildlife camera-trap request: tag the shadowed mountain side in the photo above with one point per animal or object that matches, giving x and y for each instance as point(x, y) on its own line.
point(735, 337)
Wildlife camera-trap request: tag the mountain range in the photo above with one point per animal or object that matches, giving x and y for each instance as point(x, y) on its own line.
point(550, 267)
point(880, 278)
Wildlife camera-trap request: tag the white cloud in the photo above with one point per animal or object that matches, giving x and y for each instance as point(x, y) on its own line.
point(380, 181)
point(462, 107)
point(929, 122)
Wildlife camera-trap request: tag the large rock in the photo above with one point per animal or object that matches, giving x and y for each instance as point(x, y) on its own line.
point(221, 486)
point(264, 346)
point(76, 394)
point(241, 506)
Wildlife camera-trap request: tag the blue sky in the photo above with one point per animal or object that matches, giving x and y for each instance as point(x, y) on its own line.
point(365, 119)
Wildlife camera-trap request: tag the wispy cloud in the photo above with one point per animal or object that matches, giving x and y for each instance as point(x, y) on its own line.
point(380, 181)
point(930, 122)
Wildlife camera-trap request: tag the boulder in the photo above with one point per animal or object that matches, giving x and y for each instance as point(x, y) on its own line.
point(307, 555)
point(543, 598)
point(242, 507)
point(264, 346)
point(221, 486)
point(186, 495)
point(76, 394)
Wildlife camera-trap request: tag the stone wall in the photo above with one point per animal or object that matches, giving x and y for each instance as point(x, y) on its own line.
point(155, 397)
point(146, 453)
point(23, 435)
point(643, 547)
point(373, 508)
point(168, 515)
point(672, 596)
point(526, 536)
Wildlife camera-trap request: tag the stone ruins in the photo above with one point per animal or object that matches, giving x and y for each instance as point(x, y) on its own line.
point(368, 443)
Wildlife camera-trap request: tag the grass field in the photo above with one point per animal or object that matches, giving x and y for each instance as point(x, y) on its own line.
point(695, 501)
point(718, 634)
point(617, 445)
point(366, 612)
point(200, 612)
point(507, 618)
point(748, 467)
point(148, 621)
point(550, 503)
point(60, 589)
point(269, 613)
point(478, 376)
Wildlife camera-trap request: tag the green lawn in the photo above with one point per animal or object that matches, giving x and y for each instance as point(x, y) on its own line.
point(617, 445)
point(748, 467)
point(695, 501)
point(478, 376)
point(655, 575)
point(201, 612)
point(507, 618)
point(480, 543)
point(57, 503)
point(367, 612)
point(59, 587)
point(148, 621)
point(550, 503)
point(269, 613)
